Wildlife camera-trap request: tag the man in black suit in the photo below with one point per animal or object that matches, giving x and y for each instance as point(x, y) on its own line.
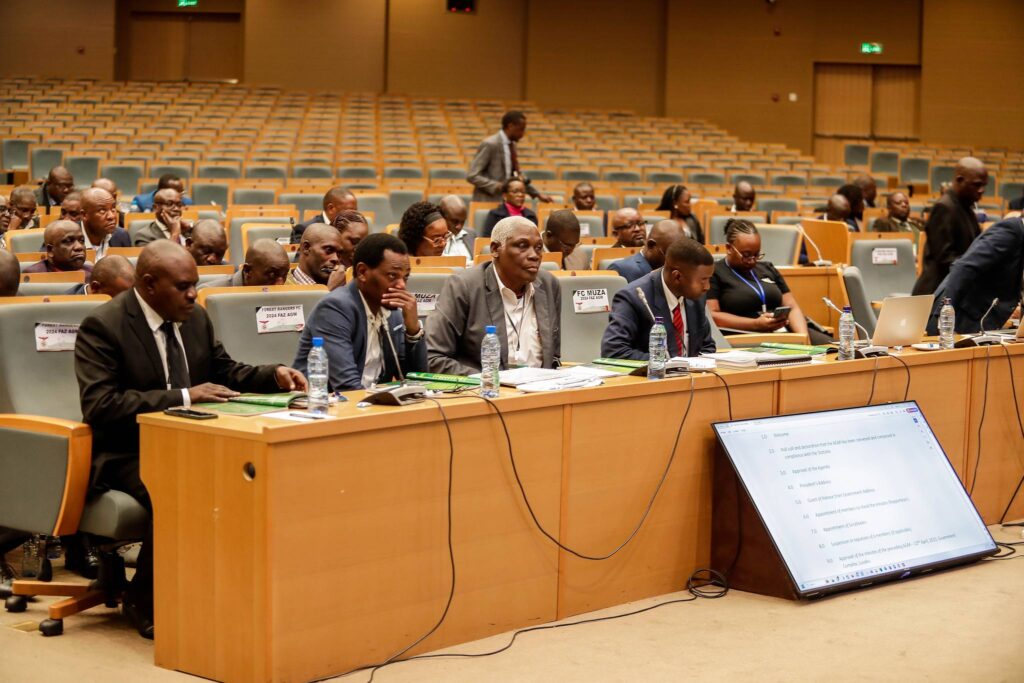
point(675, 293)
point(652, 256)
point(497, 160)
point(59, 183)
point(99, 222)
point(336, 200)
point(148, 349)
point(952, 225)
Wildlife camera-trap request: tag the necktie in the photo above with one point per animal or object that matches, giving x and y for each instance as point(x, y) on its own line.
point(514, 158)
point(677, 322)
point(177, 374)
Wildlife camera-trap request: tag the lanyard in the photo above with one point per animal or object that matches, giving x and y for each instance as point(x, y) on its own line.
point(756, 286)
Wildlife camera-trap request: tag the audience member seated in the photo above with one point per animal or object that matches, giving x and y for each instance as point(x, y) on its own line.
point(335, 199)
point(855, 197)
point(990, 270)
point(423, 229)
point(353, 228)
point(99, 222)
point(497, 160)
point(23, 209)
point(562, 234)
point(168, 181)
point(868, 188)
point(837, 209)
point(583, 198)
point(513, 192)
point(5, 221)
point(460, 239)
point(952, 224)
point(628, 228)
point(169, 225)
point(676, 200)
point(64, 244)
point(110, 186)
point(266, 264)
point(58, 185)
point(675, 294)
point(745, 289)
point(899, 218)
point(207, 243)
point(143, 352)
point(318, 256)
point(743, 197)
point(353, 320)
point(71, 207)
point(511, 292)
point(111, 275)
point(10, 276)
point(652, 256)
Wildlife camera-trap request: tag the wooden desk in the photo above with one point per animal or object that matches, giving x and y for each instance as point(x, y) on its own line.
point(809, 284)
point(330, 551)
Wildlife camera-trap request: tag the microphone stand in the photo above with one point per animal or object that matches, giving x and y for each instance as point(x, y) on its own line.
point(982, 338)
point(866, 349)
point(820, 261)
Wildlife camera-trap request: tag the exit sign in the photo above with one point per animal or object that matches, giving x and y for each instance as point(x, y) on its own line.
point(187, 3)
point(865, 48)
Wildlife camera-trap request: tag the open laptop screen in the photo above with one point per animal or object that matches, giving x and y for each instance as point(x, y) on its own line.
point(854, 496)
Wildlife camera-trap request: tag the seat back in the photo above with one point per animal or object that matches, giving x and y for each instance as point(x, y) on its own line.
point(204, 193)
point(860, 303)
point(942, 174)
point(400, 200)
point(721, 341)
point(23, 241)
point(84, 169)
point(125, 176)
point(42, 159)
point(302, 201)
point(886, 163)
point(855, 154)
point(250, 233)
point(380, 205)
point(914, 170)
point(780, 244)
point(235, 233)
point(183, 171)
point(426, 287)
point(772, 204)
point(253, 196)
point(15, 154)
point(581, 332)
point(238, 317)
point(884, 278)
point(217, 170)
point(716, 224)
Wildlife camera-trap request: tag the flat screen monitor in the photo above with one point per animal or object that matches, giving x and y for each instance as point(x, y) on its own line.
point(855, 496)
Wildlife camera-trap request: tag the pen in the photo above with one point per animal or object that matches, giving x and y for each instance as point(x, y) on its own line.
point(307, 416)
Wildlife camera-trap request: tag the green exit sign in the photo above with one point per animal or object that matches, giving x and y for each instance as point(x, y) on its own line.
point(865, 48)
point(187, 3)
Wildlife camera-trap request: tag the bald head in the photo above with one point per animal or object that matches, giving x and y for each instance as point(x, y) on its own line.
point(65, 245)
point(207, 243)
point(868, 186)
point(970, 178)
point(94, 196)
point(165, 277)
point(338, 199)
point(106, 184)
point(266, 263)
point(59, 183)
point(628, 227)
point(10, 273)
point(662, 235)
point(562, 232)
point(743, 196)
point(319, 253)
point(454, 211)
point(838, 208)
point(111, 275)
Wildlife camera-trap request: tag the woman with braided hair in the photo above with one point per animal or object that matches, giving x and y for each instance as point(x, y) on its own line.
point(676, 200)
point(423, 229)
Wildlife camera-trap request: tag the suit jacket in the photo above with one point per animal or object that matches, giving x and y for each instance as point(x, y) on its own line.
point(469, 302)
point(629, 327)
point(951, 228)
point(633, 267)
point(487, 171)
point(44, 266)
point(150, 233)
point(499, 212)
point(120, 238)
point(577, 260)
point(340, 318)
point(120, 373)
point(43, 199)
point(233, 280)
point(300, 228)
point(991, 269)
point(889, 225)
point(144, 202)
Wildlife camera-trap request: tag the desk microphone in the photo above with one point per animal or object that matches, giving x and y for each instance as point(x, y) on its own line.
point(643, 300)
point(982, 338)
point(820, 261)
point(864, 349)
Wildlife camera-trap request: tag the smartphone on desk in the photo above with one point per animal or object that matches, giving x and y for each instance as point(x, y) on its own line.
point(190, 414)
point(781, 313)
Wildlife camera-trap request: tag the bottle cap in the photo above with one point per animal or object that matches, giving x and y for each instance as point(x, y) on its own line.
point(946, 301)
point(491, 329)
point(847, 309)
point(318, 342)
point(658, 320)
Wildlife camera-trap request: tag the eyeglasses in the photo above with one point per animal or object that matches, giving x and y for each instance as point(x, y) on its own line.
point(169, 205)
point(437, 241)
point(635, 224)
point(746, 256)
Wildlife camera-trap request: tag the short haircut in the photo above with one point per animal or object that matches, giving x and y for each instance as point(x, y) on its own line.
point(414, 223)
point(165, 181)
point(688, 252)
point(74, 196)
point(371, 250)
point(336, 193)
point(23, 192)
point(734, 227)
point(506, 226)
point(508, 183)
point(585, 185)
point(110, 268)
point(511, 118)
point(853, 193)
point(560, 220)
point(345, 218)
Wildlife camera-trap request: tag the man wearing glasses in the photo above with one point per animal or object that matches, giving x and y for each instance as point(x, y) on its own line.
point(59, 184)
point(168, 224)
point(652, 256)
point(628, 228)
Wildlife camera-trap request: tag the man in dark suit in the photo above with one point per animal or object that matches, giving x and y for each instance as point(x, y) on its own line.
point(899, 218)
point(991, 268)
point(461, 240)
point(497, 159)
point(562, 234)
point(59, 183)
point(336, 200)
point(64, 244)
point(148, 349)
point(266, 264)
point(652, 256)
point(168, 181)
point(353, 321)
point(169, 225)
point(207, 242)
point(512, 293)
point(111, 275)
point(99, 222)
point(628, 227)
point(674, 293)
point(952, 225)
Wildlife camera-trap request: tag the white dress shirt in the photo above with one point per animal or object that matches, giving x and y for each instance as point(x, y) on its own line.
point(154, 320)
point(456, 247)
point(167, 233)
point(521, 330)
point(673, 303)
point(374, 362)
point(101, 248)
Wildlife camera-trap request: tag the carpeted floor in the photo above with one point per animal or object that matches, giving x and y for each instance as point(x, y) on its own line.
point(961, 625)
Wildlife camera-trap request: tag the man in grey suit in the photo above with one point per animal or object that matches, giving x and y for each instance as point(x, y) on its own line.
point(512, 293)
point(266, 264)
point(167, 205)
point(497, 159)
point(562, 234)
point(652, 256)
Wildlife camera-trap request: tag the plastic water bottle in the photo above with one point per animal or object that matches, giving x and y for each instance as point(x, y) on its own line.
point(31, 558)
point(947, 322)
point(847, 334)
point(316, 373)
point(657, 347)
point(490, 362)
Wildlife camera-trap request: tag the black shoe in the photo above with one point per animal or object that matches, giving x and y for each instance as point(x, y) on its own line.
point(139, 619)
point(7, 573)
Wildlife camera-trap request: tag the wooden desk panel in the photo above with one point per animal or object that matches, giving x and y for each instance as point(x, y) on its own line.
point(808, 285)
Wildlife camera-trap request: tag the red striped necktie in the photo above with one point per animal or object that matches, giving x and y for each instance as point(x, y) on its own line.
point(677, 321)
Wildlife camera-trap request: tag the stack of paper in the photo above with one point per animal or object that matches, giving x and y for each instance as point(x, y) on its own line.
point(739, 359)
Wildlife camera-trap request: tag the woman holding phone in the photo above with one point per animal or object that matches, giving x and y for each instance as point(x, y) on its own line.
point(747, 293)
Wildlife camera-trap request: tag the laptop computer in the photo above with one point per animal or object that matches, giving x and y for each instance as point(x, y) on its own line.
point(903, 320)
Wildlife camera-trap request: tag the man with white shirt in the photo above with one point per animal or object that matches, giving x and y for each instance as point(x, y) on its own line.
point(336, 200)
point(168, 225)
point(148, 349)
point(675, 293)
point(99, 222)
point(510, 292)
point(460, 238)
point(562, 234)
point(370, 326)
point(497, 160)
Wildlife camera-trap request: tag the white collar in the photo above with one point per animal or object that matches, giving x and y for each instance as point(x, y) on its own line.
point(153, 319)
point(504, 138)
point(371, 317)
point(527, 293)
point(324, 215)
point(88, 242)
point(457, 236)
point(671, 299)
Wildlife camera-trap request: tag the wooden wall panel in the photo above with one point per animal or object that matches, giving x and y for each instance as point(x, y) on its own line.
point(42, 37)
point(842, 99)
point(895, 99)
